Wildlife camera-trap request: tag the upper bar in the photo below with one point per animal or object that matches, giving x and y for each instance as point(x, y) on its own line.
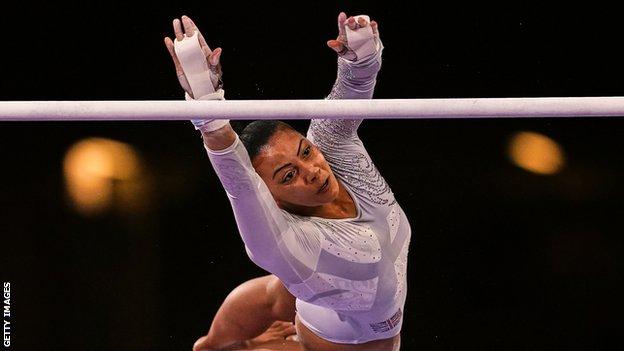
point(312, 109)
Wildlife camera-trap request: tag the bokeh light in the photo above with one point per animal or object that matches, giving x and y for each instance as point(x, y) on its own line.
point(101, 173)
point(536, 153)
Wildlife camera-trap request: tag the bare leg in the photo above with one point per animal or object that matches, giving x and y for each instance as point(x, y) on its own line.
point(276, 338)
point(277, 345)
point(247, 312)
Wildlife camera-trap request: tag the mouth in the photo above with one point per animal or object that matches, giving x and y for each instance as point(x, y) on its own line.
point(324, 187)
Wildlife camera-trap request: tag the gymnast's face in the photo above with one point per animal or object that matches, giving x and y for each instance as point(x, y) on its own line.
point(295, 172)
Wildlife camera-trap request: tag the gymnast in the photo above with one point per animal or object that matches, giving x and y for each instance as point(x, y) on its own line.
point(314, 211)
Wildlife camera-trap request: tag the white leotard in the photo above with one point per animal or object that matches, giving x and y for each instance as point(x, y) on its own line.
point(348, 275)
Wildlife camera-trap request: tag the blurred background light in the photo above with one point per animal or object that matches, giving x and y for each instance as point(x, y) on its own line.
point(102, 173)
point(536, 153)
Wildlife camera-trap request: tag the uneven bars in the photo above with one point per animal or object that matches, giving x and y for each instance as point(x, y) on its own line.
point(309, 109)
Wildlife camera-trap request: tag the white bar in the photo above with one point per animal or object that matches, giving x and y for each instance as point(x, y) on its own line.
point(308, 109)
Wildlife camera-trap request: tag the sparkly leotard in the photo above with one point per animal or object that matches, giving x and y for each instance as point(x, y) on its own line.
point(348, 275)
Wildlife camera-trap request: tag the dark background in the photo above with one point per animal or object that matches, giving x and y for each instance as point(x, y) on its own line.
point(500, 258)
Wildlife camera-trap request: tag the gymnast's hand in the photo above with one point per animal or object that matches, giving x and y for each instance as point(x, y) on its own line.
point(212, 56)
point(341, 44)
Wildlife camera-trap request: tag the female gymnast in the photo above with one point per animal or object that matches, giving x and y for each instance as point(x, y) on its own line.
point(314, 211)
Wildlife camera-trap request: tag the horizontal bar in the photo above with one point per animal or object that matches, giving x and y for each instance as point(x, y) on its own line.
point(310, 109)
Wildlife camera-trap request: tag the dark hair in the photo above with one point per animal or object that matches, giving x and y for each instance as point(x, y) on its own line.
point(257, 134)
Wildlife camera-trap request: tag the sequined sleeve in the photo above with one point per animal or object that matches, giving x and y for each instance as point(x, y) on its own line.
point(356, 80)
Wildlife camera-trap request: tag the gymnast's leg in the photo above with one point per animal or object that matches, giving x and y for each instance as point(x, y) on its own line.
point(247, 312)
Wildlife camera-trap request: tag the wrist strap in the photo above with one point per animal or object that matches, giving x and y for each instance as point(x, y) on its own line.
point(217, 95)
point(208, 125)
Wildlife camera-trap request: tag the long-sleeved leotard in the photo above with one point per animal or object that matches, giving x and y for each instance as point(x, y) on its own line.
point(348, 275)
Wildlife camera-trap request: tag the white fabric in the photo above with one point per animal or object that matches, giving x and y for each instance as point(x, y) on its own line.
point(194, 64)
point(217, 95)
point(213, 125)
point(362, 41)
point(209, 125)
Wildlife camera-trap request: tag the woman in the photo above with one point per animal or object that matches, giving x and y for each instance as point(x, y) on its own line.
point(314, 211)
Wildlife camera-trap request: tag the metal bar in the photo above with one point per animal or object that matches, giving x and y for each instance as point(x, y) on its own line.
point(309, 109)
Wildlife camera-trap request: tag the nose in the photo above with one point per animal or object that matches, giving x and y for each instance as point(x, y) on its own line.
point(313, 174)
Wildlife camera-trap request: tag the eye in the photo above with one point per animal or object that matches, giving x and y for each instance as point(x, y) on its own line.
point(288, 177)
point(307, 151)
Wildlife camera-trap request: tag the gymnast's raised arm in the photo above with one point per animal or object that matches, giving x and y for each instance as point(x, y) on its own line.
point(359, 50)
point(260, 221)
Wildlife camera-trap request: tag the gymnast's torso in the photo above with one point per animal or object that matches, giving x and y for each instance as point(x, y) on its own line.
point(355, 282)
